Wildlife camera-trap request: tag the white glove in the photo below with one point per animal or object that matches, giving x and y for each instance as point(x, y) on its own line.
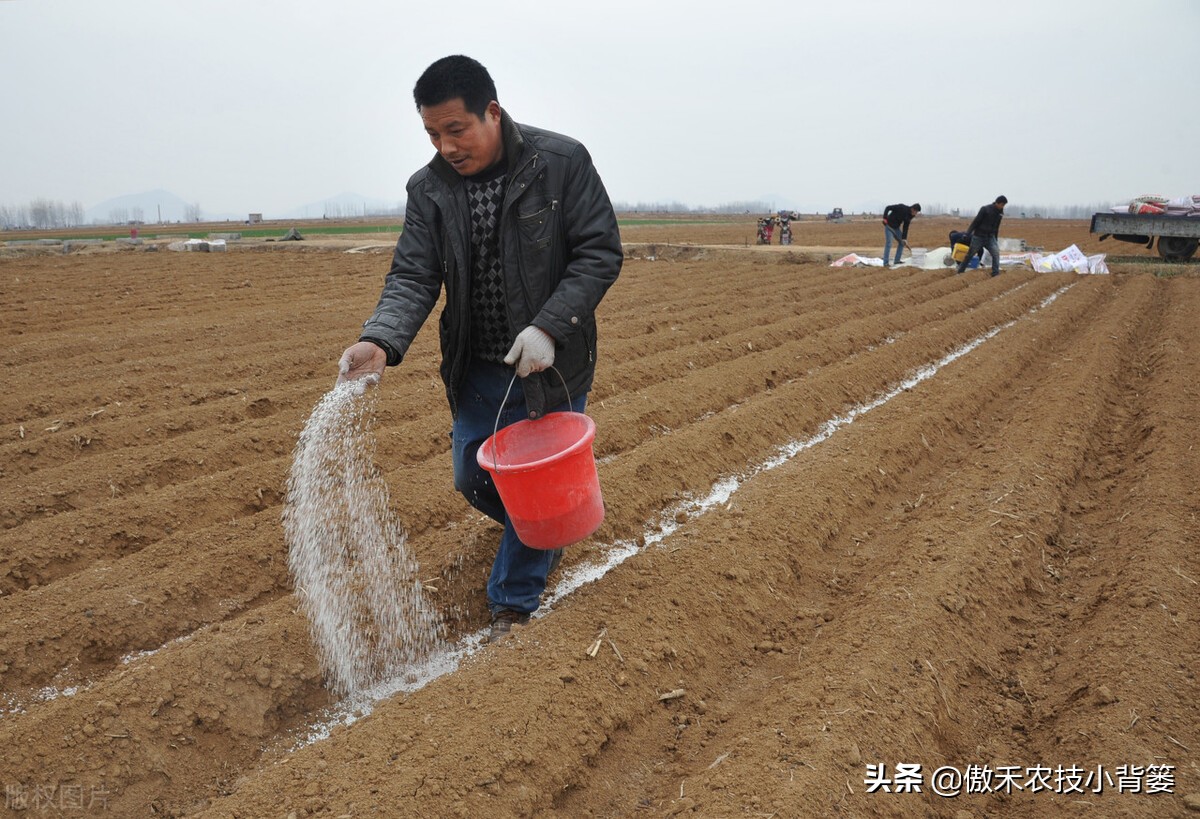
point(532, 352)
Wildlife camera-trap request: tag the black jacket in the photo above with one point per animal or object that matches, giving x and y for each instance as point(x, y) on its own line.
point(898, 217)
point(987, 221)
point(559, 246)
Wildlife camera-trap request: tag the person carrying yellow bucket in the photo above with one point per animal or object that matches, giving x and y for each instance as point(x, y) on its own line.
point(960, 244)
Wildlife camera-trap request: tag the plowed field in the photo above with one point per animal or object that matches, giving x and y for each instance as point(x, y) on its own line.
point(855, 518)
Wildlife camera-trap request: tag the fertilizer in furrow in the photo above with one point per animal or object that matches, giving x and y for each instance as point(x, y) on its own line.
point(356, 580)
point(656, 531)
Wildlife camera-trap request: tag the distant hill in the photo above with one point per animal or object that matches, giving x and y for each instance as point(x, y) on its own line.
point(344, 205)
point(151, 206)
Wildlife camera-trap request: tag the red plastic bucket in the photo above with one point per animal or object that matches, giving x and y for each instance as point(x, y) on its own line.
point(545, 473)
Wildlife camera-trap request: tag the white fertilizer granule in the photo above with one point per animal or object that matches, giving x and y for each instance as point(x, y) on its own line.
point(354, 576)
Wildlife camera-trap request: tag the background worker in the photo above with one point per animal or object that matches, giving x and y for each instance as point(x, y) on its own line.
point(785, 229)
point(764, 238)
point(985, 233)
point(514, 224)
point(896, 219)
point(961, 237)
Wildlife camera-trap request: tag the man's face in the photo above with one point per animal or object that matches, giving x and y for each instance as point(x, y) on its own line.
point(1001, 205)
point(469, 143)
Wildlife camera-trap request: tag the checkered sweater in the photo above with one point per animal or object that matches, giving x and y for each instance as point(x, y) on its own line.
point(490, 337)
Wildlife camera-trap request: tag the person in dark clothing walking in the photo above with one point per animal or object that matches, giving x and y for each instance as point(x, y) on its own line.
point(985, 233)
point(896, 219)
point(513, 223)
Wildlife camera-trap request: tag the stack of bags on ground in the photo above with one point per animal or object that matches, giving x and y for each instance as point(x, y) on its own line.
point(199, 245)
point(1070, 259)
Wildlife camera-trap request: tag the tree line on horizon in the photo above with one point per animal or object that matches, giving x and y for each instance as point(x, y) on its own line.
point(1025, 211)
point(1033, 211)
point(43, 214)
point(46, 214)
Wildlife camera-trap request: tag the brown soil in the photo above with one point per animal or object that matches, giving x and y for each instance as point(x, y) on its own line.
point(996, 566)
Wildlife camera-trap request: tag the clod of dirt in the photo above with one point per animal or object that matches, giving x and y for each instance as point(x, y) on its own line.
point(682, 806)
point(1192, 802)
point(1105, 696)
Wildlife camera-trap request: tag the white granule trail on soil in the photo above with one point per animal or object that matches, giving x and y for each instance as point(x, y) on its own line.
point(355, 578)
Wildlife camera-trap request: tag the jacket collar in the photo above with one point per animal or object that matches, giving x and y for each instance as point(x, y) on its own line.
point(514, 142)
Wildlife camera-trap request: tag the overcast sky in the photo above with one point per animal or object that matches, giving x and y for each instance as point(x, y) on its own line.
point(268, 105)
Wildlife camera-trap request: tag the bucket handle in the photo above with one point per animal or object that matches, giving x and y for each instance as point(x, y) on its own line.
point(507, 392)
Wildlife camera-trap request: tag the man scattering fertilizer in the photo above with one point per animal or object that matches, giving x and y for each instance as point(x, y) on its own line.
point(514, 222)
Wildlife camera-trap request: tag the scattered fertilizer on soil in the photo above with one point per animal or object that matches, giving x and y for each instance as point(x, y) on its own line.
point(355, 578)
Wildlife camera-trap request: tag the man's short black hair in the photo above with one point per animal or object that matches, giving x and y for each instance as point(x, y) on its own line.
point(1002, 200)
point(916, 206)
point(456, 77)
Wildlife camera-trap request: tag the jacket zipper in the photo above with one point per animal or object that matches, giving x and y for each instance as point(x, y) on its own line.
point(520, 269)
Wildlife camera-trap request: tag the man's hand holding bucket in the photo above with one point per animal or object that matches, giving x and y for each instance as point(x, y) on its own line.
point(532, 352)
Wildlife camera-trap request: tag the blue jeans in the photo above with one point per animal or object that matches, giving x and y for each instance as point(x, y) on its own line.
point(993, 247)
point(518, 572)
point(890, 233)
